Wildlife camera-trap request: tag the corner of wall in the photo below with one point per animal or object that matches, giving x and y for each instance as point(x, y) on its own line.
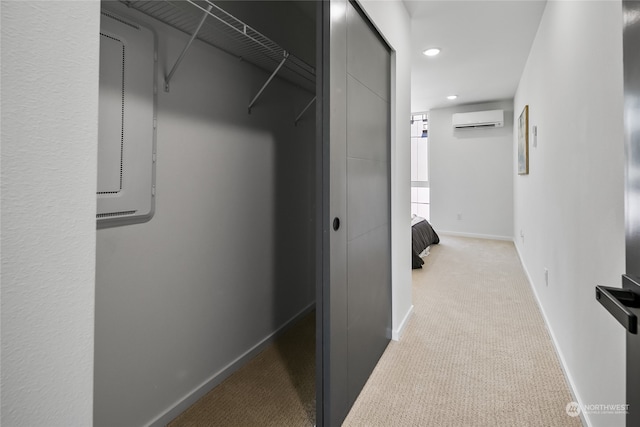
point(397, 332)
point(49, 151)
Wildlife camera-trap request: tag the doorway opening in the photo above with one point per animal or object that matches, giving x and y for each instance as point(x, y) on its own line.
point(210, 295)
point(420, 189)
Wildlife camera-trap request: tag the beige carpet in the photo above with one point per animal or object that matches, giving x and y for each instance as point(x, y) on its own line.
point(476, 351)
point(276, 388)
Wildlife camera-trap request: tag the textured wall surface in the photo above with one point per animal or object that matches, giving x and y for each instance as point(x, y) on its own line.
point(49, 148)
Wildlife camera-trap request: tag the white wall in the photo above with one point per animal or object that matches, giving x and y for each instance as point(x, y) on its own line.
point(570, 206)
point(49, 149)
point(393, 21)
point(471, 174)
point(228, 257)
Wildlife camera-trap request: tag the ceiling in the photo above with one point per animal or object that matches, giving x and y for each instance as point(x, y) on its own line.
point(484, 47)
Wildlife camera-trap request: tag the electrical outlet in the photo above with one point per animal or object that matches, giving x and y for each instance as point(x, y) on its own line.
point(546, 277)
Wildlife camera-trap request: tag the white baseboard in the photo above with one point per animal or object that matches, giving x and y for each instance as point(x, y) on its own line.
point(208, 385)
point(473, 235)
point(396, 334)
point(563, 364)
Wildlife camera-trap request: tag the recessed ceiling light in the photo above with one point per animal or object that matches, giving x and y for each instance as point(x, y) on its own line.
point(452, 97)
point(432, 51)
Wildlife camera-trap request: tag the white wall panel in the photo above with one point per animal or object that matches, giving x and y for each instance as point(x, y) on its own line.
point(49, 151)
point(569, 211)
point(471, 174)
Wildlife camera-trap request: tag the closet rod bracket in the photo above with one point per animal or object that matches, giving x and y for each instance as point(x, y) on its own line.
point(184, 51)
point(304, 110)
point(264, 86)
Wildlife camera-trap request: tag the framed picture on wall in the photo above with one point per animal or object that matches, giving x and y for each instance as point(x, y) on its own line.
point(523, 142)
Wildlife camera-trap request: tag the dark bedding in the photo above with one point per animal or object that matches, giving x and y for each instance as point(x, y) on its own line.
point(422, 236)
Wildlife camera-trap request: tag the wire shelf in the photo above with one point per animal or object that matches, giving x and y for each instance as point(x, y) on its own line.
point(224, 31)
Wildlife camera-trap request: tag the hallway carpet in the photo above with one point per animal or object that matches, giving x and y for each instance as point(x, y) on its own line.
point(476, 351)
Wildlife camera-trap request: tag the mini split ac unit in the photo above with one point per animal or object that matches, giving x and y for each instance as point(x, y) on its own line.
point(478, 119)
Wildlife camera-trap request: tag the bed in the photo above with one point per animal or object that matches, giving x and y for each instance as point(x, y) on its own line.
point(422, 236)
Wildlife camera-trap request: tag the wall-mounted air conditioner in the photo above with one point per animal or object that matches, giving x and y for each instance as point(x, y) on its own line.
point(478, 119)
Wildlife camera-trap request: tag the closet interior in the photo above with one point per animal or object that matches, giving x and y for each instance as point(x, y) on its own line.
point(206, 240)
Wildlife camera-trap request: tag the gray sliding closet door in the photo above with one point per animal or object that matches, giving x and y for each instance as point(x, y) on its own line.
point(357, 266)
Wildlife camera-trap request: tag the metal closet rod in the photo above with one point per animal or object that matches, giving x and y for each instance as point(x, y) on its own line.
point(167, 79)
point(264, 86)
point(304, 110)
point(243, 31)
point(241, 28)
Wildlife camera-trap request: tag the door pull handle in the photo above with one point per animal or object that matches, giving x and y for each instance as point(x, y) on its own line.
point(619, 302)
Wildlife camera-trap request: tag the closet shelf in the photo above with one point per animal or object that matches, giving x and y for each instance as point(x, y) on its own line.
point(204, 20)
